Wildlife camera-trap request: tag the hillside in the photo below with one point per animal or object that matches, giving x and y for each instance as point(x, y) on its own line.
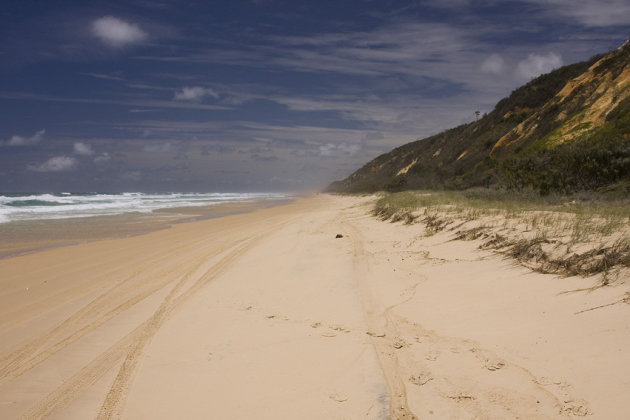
point(563, 131)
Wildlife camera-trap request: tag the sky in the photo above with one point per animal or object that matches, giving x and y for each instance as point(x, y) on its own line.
point(261, 95)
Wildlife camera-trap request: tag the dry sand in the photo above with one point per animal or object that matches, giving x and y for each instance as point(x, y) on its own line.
point(269, 315)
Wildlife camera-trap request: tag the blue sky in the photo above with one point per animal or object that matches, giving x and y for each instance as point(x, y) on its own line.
point(149, 95)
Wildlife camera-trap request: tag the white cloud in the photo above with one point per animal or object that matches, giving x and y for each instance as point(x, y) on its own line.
point(159, 148)
point(494, 64)
point(194, 93)
point(102, 158)
point(342, 149)
point(117, 33)
point(409, 48)
point(26, 141)
point(535, 65)
point(595, 13)
point(55, 164)
point(83, 149)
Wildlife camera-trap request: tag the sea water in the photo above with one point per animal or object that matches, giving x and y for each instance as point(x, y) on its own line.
point(65, 205)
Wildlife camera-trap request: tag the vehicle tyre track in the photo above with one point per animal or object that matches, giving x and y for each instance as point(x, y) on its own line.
point(141, 276)
point(131, 347)
point(382, 330)
point(26, 358)
point(114, 401)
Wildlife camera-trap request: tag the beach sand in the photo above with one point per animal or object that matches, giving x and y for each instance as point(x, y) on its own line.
point(269, 314)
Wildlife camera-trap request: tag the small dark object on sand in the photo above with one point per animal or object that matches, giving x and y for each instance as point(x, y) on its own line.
point(339, 235)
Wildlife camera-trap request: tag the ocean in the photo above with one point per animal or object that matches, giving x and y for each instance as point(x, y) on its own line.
point(25, 207)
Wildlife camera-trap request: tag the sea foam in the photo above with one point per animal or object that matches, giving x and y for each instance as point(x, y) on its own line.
point(70, 205)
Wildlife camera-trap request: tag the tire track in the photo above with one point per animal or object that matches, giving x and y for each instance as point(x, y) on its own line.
point(382, 329)
point(86, 377)
point(102, 305)
point(26, 358)
point(114, 401)
point(142, 266)
point(392, 337)
point(131, 347)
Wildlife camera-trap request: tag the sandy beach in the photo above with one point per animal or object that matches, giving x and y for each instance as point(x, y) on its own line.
point(269, 314)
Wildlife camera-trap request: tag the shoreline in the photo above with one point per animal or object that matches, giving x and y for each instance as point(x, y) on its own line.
point(24, 237)
point(314, 309)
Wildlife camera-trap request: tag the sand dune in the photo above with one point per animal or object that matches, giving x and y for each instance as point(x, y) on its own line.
point(269, 315)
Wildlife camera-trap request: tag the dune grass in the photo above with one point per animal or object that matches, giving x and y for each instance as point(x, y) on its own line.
point(581, 234)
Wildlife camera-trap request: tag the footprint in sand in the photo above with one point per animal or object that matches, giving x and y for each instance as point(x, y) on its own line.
point(576, 408)
point(461, 397)
point(399, 343)
point(543, 380)
point(339, 397)
point(493, 365)
point(421, 379)
point(273, 316)
point(339, 328)
point(489, 361)
point(432, 355)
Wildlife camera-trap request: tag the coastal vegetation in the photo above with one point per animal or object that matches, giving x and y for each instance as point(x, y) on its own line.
point(592, 162)
point(579, 234)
